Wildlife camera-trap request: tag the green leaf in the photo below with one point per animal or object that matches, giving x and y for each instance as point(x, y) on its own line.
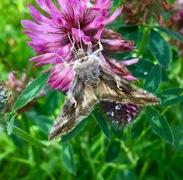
point(44, 123)
point(141, 69)
point(22, 134)
point(103, 125)
point(171, 96)
point(160, 49)
point(96, 131)
point(153, 79)
point(179, 139)
point(68, 158)
point(31, 91)
point(11, 123)
point(113, 151)
point(116, 25)
point(130, 32)
point(126, 174)
point(172, 34)
point(75, 131)
point(160, 125)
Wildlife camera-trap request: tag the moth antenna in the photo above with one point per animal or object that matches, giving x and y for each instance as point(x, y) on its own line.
point(65, 63)
point(80, 40)
point(89, 49)
point(73, 49)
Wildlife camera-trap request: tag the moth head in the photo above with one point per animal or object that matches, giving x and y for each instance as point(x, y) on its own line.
point(88, 71)
point(80, 54)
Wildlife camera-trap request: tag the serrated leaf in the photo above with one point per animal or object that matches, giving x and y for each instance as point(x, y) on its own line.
point(68, 158)
point(113, 151)
point(171, 96)
point(153, 79)
point(172, 34)
point(160, 125)
point(103, 125)
point(160, 49)
point(31, 91)
point(75, 131)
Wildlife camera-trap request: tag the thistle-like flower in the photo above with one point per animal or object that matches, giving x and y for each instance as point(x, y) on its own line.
point(70, 25)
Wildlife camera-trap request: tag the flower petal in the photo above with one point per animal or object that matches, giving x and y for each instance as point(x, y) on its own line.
point(38, 17)
point(113, 16)
point(31, 25)
point(130, 61)
point(112, 41)
point(61, 77)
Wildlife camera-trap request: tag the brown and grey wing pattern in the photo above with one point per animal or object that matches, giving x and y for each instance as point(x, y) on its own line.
point(74, 111)
point(114, 88)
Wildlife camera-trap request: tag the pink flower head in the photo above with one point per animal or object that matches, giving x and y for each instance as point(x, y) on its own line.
point(179, 2)
point(68, 26)
point(120, 115)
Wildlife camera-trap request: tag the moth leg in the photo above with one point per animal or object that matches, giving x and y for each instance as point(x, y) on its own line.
point(118, 86)
point(75, 88)
point(72, 99)
point(100, 45)
point(100, 48)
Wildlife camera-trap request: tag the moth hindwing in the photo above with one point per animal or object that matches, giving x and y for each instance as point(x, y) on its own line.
point(93, 83)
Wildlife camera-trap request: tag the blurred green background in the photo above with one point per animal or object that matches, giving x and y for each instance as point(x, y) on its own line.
point(136, 152)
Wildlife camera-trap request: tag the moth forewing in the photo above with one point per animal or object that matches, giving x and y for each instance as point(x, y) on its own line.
point(71, 113)
point(114, 88)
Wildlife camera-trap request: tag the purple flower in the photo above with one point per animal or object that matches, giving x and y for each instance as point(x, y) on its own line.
point(119, 114)
point(179, 2)
point(69, 25)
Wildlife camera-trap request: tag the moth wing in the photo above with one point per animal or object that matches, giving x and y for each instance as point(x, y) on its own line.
point(114, 88)
point(76, 107)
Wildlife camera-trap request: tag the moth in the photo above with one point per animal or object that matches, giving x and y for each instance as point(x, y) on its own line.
point(91, 84)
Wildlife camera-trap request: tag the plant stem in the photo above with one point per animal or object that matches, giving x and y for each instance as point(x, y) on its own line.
point(144, 41)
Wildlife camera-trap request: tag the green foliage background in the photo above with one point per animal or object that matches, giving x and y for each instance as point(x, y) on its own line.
point(136, 152)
